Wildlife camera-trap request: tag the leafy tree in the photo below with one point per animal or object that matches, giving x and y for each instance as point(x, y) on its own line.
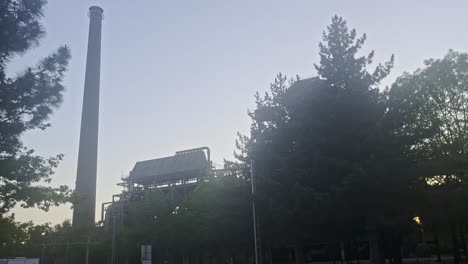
point(26, 102)
point(217, 215)
point(328, 150)
point(145, 222)
point(22, 239)
point(13, 235)
point(50, 242)
point(215, 219)
point(438, 96)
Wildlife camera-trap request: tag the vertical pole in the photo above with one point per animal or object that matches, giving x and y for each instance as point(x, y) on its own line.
point(67, 252)
point(87, 250)
point(43, 253)
point(254, 213)
point(113, 239)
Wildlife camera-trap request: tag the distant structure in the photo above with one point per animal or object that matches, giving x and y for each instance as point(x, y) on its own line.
point(84, 208)
point(175, 176)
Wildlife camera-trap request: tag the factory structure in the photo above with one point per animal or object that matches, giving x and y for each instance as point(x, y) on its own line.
point(175, 176)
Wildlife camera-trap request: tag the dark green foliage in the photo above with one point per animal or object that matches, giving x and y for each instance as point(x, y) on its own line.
point(315, 137)
point(20, 27)
point(437, 97)
point(145, 222)
point(49, 242)
point(26, 103)
point(217, 215)
point(13, 233)
point(339, 64)
point(330, 154)
point(214, 217)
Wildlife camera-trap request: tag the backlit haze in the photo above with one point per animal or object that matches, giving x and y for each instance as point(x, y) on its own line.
point(182, 74)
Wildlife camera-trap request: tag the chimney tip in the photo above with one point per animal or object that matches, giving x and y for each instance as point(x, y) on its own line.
point(96, 9)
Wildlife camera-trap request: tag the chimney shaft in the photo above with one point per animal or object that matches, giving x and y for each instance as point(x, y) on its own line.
point(84, 207)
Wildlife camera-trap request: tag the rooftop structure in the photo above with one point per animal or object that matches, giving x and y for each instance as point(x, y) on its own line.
point(184, 165)
point(175, 176)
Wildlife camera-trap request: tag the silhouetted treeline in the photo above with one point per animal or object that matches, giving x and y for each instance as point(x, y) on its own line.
point(343, 166)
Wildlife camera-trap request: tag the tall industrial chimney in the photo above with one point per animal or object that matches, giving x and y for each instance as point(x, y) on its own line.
point(84, 208)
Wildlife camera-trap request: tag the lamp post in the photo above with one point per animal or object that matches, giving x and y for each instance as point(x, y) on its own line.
point(254, 213)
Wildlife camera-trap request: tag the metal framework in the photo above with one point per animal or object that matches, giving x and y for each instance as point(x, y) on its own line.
point(175, 176)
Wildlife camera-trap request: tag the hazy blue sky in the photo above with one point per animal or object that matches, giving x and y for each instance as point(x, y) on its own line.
point(182, 74)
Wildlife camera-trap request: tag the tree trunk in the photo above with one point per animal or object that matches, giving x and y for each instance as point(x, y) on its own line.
point(437, 245)
point(299, 254)
point(455, 247)
point(396, 248)
point(342, 252)
point(269, 257)
point(358, 255)
point(463, 241)
point(375, 247)
point(290, 256)
point(206, 259)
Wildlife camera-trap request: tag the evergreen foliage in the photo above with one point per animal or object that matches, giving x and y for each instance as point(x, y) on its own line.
point(26, 103)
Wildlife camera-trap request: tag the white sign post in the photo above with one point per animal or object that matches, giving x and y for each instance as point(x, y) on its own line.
point(145, 254)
